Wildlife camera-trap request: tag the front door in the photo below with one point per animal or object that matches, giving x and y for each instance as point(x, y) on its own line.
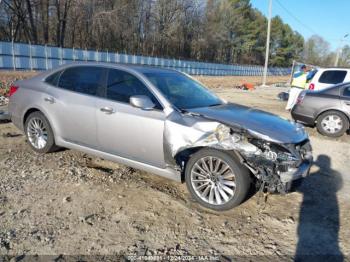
point(127, 131)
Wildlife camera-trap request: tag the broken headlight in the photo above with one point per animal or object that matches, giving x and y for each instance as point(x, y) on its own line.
point(279, 156)
point(274, 152)
point(284, 156)
point(222, 132)
point(270, 155)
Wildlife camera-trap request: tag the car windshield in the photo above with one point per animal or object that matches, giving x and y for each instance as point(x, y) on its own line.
point(182, 91)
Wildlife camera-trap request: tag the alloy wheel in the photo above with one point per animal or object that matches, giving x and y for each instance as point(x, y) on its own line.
point(37, 133)
point(332, 124)
point(213, 180)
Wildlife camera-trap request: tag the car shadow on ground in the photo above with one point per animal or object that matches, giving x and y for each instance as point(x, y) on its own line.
point(318, 228)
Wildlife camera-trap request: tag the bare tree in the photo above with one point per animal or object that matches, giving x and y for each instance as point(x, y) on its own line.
point(62, 9)
point(225, 31)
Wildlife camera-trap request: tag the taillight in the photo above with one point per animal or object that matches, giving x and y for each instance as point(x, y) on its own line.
point(301, 97)
point(312, 86)
point(13, 89)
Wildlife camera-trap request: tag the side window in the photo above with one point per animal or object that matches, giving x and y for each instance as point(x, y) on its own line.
point(122, 85)
point(82, 79)
point(332, 77)
point(53, 79)
point(346, 91)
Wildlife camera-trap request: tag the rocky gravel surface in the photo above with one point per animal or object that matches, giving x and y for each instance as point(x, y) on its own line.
point(69, 204)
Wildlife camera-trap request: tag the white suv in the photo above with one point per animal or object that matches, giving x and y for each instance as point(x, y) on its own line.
point(326, 77)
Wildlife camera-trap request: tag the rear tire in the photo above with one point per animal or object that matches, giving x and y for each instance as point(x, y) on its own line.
point(39, 133)
point(213, 186)
point(332, 123)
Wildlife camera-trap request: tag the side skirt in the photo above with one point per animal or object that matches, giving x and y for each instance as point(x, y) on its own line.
point(167, 172)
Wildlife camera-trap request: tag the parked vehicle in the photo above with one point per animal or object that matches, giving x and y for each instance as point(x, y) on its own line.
point(328, 109)
point(164, 122)
point(327, 77)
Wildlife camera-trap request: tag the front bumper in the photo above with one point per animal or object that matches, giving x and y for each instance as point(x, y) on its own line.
point(296, 173)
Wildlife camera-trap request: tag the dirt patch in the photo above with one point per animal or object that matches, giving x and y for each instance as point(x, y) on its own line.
point(233, 81)
point(75, 204)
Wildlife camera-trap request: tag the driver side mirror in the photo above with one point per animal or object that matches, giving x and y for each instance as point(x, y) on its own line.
point(141, 101)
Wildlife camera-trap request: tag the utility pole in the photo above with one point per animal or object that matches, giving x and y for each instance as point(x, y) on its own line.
point(339, 50)
point(267, 43)
point(13, 48)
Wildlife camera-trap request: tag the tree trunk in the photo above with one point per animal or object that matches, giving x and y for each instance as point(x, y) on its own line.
point(32, 24)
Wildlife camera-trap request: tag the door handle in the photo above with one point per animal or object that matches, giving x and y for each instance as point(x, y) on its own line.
point(51, 100)
point(347, 103)
point(107, 110)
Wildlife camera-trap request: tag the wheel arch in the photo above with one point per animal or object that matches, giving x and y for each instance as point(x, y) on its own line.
point(36, 109)
point(183, 157)
point(331, 109)
point(28, 112)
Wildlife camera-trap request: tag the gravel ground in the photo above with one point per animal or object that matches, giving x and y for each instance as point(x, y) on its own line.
point(70, 203)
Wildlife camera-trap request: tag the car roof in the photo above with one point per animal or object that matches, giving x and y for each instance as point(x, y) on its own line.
point(333, 69)
point(143, 69)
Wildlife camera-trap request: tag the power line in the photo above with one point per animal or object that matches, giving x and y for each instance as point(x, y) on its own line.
point(296, 18)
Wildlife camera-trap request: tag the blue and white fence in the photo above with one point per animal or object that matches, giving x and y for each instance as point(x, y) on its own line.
point(20, 56)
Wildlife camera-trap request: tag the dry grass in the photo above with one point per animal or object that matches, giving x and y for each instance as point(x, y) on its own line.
point(8, 77)
point(233, 81)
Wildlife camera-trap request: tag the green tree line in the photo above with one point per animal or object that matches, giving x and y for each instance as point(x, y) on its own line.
point(223, 31)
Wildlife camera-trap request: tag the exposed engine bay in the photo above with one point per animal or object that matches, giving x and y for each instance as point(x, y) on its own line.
point(273, 164)
point(277, 165)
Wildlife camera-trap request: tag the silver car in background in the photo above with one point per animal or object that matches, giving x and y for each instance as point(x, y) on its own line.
point(327, 109)
point(163, 122)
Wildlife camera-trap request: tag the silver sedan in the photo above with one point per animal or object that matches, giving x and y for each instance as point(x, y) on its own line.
point(163, 122)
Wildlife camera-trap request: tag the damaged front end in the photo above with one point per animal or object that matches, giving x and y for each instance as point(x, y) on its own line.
point(275, 165)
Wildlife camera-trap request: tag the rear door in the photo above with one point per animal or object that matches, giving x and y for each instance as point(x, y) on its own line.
point(345, 99)
point(330, 77)
point(127, 131)
point(72, 104)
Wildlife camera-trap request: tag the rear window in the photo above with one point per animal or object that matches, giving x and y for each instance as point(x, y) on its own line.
point(332, 76)
point(82, 79)
point(53, 79)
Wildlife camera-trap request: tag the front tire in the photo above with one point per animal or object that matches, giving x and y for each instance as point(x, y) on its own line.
point(332, 123)
point(216, 180)
point(39, 133)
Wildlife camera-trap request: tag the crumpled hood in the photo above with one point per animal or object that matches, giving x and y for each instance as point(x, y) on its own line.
point(260, 123)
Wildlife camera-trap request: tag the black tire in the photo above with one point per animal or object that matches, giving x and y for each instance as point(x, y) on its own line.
point(50, 145)
point(327, 132)
point(242, 178)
